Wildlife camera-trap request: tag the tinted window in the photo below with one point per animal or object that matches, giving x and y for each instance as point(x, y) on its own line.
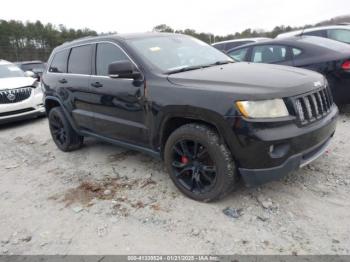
point(59, 62)
point(106, 54)
point(80, 60)
point(239, 55)
point(296, 51)
point(231, 45)
point(269, 54)
point(321, 33)
point(341, 35)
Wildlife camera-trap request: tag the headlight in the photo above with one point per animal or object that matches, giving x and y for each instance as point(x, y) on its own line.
point(263, 108)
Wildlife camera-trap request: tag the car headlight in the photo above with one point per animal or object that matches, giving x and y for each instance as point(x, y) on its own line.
point(263, 108)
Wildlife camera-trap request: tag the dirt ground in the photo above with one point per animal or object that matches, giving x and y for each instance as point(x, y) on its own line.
point(107, 200)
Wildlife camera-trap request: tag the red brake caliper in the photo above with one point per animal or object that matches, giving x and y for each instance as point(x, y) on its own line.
point(184, 160)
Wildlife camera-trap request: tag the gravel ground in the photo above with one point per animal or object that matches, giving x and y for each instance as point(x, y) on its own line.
point(107, 200)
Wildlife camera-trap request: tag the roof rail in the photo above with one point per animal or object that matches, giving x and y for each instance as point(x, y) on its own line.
point(78, 39)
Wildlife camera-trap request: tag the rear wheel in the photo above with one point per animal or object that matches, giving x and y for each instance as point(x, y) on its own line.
point(62, 132)
point(199, 164)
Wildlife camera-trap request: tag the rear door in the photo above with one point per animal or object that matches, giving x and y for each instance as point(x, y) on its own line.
point(118, 103)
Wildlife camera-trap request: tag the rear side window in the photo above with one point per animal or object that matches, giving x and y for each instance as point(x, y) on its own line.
point(106, 54)
point(239, 55)
point(80, 60)
point(320, 33)
point(269, 54)
point(59, 62)
point(341, 35)
point(296, 51)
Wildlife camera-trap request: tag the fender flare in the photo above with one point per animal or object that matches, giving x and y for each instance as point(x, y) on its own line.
point(65, 111)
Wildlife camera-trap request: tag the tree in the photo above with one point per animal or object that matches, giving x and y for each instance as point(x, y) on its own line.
point(163, 28)
point(33, 40)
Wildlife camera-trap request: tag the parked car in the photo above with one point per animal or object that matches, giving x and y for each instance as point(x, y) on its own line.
point(211, 120)
point(37, 67)
point(339, 32)
point(21, 96)
point(224, 46)
point(326, 56)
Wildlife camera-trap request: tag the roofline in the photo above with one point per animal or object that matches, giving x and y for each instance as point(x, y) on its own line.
point(240, 39)
point(117, 37)
point(315, 28)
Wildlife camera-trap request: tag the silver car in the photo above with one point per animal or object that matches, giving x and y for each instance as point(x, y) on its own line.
point(20, 95)
point(339, 32)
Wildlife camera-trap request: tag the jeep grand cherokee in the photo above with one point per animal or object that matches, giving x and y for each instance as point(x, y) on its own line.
point(211, 120)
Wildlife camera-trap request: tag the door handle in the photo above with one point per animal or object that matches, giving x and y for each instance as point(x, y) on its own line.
point(63, 81)
point(96, 84)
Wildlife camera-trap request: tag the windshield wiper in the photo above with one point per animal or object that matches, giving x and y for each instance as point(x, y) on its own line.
point(189, 68)
point(224, 62)
point(186, 68)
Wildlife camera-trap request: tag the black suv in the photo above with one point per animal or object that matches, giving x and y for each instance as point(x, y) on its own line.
point(213, 121)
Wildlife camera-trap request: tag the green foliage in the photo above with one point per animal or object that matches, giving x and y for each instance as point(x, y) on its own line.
point(34, 41)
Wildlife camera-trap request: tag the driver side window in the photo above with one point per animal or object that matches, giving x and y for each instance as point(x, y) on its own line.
point(107, 53)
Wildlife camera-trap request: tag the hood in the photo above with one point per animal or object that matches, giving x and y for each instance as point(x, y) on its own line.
point(16, 82)
point(251, 79)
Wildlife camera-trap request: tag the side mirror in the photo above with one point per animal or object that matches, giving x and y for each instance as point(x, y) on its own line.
point(123, 69)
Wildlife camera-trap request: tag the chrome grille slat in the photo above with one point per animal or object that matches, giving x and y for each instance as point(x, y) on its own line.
point(308, 107)
point(20, 94)
point(313, 106)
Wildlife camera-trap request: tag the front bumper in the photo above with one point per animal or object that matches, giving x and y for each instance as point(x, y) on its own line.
point(255, 177)
point(270, 151)
point(28, 108)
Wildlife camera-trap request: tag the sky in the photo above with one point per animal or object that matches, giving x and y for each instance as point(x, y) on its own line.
point(219, 17)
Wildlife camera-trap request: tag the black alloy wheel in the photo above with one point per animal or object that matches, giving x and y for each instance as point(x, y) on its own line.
point(199, 162)
point(193, 166)
point(64, 136)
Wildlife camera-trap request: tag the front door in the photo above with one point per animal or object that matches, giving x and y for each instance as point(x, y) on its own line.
point(118, 104)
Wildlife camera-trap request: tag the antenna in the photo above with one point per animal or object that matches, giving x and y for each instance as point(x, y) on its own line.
point(302, 31)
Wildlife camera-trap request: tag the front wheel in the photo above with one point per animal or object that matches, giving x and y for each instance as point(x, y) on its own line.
point(200, 166)
point(62, 132)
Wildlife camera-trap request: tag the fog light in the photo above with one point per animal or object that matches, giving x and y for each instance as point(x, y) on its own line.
point(278, 151)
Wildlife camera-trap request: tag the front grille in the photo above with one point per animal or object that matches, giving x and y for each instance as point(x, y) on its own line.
point(313, 106)
point(15, 95)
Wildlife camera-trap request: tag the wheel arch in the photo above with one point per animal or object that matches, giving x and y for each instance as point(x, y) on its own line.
point(51, 102)
point(176, 118)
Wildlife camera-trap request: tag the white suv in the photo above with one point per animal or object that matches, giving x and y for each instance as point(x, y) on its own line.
point(20, 95)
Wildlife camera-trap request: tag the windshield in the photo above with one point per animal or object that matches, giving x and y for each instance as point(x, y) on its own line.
point(33, 67)
point(10, 70)
point(171, 53)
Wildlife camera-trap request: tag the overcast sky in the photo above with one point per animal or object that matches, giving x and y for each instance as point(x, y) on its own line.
point(220, 17)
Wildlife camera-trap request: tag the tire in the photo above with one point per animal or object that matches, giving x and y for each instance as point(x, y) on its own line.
point(62, 132)
point(208, 171)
